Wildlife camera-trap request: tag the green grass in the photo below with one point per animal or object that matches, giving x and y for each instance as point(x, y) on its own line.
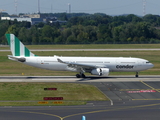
point(23, 94)
point(91, 46)
point(30, 103)
point(12, 68)
point(95, 46)
point(4, 47)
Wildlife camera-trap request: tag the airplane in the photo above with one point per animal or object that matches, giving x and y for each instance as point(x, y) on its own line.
point(100, 66)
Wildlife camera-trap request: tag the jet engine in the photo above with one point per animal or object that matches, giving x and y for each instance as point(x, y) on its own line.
point(100, 71)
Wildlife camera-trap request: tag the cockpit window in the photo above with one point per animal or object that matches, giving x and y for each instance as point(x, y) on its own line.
point(147, 62)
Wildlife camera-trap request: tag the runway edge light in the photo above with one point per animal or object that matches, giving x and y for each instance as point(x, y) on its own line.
point(83, 118)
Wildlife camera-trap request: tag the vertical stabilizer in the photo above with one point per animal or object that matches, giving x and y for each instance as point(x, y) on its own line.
point(16, 47)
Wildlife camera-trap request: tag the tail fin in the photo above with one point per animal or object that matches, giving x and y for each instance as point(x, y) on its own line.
point(16, 46)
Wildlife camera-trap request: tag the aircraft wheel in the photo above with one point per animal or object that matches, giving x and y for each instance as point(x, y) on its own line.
point(83, 76)
point(136, 74)
point(78, 75)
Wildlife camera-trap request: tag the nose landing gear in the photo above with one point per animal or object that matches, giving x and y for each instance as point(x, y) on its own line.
point(136, 74)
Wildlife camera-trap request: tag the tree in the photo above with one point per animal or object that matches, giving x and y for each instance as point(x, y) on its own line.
point(71, 40)
point(13, 29)
point(4, 25)
point(35, 35)
point(116, 33)
point(22, 35)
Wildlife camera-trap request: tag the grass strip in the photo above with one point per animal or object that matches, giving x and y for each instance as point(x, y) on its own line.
point(50, 103)
point(91, 46)
point(25, 94)
point(12, 68)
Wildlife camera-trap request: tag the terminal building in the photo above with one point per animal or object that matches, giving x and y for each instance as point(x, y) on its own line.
point(32, 18)
point(33, 21)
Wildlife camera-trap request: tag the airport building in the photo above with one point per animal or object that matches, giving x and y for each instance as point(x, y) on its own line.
point(33, 21)
point(32, 18)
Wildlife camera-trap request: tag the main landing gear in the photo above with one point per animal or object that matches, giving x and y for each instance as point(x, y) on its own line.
point(80, 75)
point(136, 74)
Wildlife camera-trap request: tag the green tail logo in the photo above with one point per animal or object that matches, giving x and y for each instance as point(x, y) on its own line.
point(16, 47)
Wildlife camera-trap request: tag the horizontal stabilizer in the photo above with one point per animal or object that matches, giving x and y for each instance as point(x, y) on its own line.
point(21, 59)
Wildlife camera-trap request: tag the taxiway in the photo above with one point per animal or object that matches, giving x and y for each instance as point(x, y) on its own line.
point(130, 98)
point(124, 78)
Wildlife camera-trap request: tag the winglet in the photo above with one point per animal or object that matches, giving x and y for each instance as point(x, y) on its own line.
point(16, 46)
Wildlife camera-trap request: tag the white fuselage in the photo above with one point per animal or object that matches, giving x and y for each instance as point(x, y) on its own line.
point(115, 64)
point(95, 65)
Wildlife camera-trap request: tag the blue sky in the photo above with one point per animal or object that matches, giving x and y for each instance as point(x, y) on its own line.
point(110, 7)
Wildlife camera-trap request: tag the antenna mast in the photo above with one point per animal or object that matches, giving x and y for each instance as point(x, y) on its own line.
point(16, 4)
point(144, 7)
point(51, 8)
point(69, 5)
point(38, 6)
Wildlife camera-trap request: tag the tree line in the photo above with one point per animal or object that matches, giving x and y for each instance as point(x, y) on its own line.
point(84, 28)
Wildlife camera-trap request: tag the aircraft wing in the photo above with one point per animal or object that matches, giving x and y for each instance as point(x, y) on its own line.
point(80, 66)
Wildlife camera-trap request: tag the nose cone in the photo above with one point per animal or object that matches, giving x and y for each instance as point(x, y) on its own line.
point(151, 65)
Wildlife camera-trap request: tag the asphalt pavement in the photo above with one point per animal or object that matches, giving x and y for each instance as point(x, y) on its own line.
point(130, 98)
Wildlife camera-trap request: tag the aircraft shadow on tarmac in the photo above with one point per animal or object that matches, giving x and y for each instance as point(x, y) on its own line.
point(114, 77)
point(96, 78)
point(91, 78)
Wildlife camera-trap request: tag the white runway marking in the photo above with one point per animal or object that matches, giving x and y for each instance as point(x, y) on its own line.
point(74, 79)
